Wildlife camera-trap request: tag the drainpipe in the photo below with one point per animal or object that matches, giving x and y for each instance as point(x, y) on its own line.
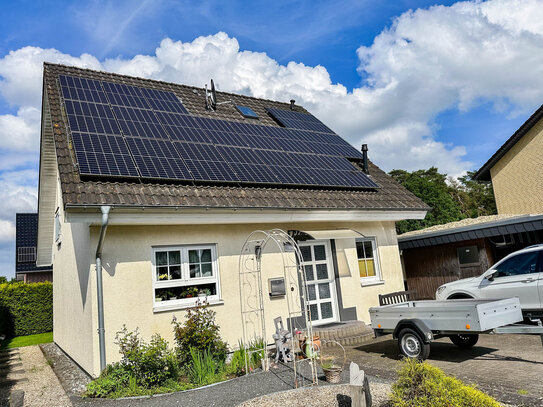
point(100, 293)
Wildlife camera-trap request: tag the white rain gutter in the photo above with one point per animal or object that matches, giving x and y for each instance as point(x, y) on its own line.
point(99, 292)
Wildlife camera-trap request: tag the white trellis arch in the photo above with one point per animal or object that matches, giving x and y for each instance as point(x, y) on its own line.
point(253, 316)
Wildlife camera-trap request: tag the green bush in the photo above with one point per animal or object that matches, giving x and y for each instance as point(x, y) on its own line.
point(423, 385)
point(200, 332)
point(149, 363)
point(26, 309)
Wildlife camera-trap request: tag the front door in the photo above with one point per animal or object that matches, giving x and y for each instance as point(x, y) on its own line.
point(321, 286)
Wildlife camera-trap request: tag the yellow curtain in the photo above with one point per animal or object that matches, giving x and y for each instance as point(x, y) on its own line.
point(366, 267)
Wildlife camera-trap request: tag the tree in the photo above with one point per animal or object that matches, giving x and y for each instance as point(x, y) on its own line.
point(450, 199)
point(475, 198)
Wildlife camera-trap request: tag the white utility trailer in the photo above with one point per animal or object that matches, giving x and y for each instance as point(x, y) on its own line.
point(416, 323)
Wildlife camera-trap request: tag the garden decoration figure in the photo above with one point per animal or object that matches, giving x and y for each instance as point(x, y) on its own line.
point(281, 337)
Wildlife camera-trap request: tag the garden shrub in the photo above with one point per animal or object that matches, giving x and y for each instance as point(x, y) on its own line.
point(149, 363)
point(199, 331)
point(423, 385)
point(26, 309)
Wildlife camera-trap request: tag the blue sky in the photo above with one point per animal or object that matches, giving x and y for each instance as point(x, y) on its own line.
point(422, 82)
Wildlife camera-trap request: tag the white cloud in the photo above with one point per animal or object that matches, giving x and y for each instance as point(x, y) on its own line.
point(7, 231)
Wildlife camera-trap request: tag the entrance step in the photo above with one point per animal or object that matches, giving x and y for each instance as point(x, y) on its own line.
point(345, 333)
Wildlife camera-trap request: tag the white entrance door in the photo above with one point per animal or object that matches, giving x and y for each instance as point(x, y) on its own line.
point(321, 286)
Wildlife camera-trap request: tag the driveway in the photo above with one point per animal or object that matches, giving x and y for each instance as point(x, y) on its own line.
point(509, 367)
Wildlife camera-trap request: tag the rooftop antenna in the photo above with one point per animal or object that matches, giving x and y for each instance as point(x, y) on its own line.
point(211, 97)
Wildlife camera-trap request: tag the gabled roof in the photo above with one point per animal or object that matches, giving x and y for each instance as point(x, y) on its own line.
point(78, 192)
point(26, 238)
point(483, 174)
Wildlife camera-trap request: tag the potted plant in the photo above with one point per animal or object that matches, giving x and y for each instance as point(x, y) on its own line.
point(190, 292)
point(332, 370)
point(158, 298)
point(172, 295)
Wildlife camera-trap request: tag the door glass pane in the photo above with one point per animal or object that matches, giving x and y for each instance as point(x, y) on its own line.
point(314, 312)
point(161, 258)
point(309, 276)
point(194, 256)
point(322, 271)
point(324, 291)
point(320, 252)
point(206, 270)
point(175, 272)
point(306, 253)
point(311, 292)
point(175, 257)
point(194, 270)
point(206, 255)
point(326, 310)
point(518, 265)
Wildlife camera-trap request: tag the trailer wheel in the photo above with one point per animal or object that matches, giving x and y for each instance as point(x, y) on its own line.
point(465, 341)
point(411, 344)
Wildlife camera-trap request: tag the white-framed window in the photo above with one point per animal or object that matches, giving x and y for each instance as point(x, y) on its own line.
point(181, 274)
point(368, 261)
point(26, 254)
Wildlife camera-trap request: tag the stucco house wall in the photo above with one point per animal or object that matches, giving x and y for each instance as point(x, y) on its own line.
point(516, 177)
point(128, 280)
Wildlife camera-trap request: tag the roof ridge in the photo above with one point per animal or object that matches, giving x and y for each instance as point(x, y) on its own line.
point(132, 77)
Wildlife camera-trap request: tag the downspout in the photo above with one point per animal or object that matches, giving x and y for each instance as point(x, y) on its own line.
point(100, 293)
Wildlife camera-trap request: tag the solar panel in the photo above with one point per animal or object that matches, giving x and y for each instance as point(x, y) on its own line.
point(158, 159)
point(100, 154)
point(151, 131)
point(298, 120)
point(247, 112)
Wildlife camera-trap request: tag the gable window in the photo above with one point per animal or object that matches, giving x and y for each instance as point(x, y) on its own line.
point(181, 274)
point(26, 254)
point(368, 264)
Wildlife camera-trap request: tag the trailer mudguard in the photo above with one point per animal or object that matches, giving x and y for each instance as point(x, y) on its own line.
point(416, 324)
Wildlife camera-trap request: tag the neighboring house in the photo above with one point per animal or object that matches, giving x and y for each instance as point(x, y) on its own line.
point(25, 250)
point(516, 169)
point(443, 253)
point(173, 232)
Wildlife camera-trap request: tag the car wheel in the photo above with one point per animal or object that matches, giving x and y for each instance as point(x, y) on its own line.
point(464, 341)
point(412, 346)
point(460, 297)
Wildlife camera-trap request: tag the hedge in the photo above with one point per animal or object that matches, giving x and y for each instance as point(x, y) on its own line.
point(26, 309)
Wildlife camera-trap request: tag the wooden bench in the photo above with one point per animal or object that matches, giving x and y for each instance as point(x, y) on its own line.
point(397, 297)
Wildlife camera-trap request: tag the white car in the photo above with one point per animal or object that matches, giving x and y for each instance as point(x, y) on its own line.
point(520, 274)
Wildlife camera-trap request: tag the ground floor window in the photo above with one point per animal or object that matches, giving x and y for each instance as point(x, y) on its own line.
point(368, 264)
point(183, 273)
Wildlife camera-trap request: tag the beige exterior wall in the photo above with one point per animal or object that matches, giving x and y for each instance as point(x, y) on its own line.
point(517, 177)
point(128, 280)
point(74, 294)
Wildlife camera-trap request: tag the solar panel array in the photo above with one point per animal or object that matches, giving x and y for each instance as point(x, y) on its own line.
point(128, 131)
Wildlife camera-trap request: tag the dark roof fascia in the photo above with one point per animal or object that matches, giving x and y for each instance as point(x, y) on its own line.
point(520, 224)
point(483, 174)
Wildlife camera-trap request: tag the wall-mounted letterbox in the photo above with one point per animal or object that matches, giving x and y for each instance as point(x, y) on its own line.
point(276, 287)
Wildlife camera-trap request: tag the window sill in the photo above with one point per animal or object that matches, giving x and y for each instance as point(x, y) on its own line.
point(175, 307)
point(364, 283)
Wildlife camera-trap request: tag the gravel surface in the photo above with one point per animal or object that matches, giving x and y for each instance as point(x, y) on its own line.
point(42, 387)
point(322, 396)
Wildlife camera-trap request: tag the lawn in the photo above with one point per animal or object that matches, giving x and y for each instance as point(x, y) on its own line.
point(27, 340)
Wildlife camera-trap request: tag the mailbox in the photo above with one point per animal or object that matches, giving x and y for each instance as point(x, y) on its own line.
point(276, 287)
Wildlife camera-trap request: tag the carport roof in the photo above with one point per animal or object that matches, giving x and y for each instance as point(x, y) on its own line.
point(468, 229)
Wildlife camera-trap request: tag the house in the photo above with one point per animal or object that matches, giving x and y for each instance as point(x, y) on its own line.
point(26, 238)
point(149, 190)
point(443, 253)
point(466, 248)
point(516, 169)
